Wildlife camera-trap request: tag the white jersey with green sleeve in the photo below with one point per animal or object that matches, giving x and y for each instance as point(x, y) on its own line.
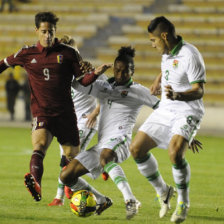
point(119, 106)
point(181, 68)
point(83, 102)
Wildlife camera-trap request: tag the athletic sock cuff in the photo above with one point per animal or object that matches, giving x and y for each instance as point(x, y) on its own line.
point(180, 166)
point(143, 159)
point(109, 166)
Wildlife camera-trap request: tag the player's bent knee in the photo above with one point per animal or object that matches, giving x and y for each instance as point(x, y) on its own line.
point(107, 156)
point(135, 151)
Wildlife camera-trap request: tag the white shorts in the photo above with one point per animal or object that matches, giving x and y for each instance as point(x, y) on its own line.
point(85, 136)
point(162, 125)
point(90, 159)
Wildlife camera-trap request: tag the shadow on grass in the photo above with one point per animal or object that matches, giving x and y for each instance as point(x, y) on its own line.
point(208, 218)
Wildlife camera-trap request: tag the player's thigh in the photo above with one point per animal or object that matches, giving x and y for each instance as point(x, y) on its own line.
point(70, 151)
point(177, 148)
point(141, 144)
point(41, 139)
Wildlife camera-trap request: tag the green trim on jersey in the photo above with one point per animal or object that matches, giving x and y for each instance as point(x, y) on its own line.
point(156, 105)
point(180, 166)
point(120, 143)
point(86, 138)
point(198, 81)
point(176, 49)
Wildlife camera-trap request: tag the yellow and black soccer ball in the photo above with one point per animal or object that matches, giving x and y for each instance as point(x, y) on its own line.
point(83, 203)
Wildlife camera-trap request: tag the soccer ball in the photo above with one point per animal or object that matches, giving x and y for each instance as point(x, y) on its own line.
point(83, 203)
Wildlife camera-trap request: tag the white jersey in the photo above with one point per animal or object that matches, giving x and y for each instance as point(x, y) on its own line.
point(119, 106)
point(183, 67)
point(84, 104)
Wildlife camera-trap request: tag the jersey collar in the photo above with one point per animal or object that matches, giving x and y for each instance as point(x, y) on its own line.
point(176, 49)
point(41, 48)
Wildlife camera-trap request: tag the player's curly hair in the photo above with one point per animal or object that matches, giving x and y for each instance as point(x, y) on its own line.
point(45, 17)
point(126, 55)
point(66, 39)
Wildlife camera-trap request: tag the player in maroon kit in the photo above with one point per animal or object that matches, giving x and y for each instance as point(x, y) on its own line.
point(51, 67)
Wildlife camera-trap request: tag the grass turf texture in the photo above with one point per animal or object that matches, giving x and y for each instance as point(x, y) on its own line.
point(17, 206)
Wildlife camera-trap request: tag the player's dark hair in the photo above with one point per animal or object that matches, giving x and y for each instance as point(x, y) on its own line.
point(126, 55)
point(161, 24)
point(46, 17)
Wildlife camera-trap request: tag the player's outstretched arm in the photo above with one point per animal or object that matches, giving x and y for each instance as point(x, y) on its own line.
point(3, 66)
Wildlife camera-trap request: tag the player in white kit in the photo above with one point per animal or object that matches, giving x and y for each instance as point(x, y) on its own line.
point(174, 124)
point(120, 101)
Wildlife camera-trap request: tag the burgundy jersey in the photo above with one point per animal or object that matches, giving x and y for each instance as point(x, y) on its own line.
point(50, 72)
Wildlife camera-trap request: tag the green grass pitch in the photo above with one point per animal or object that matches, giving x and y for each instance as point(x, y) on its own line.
point(17, 206)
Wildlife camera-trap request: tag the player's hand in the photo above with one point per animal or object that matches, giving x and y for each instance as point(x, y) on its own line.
point(91, 120)
point(195, 145)
point(102, 68)
point(155, 88)
point(171, 94)
point(86, 67)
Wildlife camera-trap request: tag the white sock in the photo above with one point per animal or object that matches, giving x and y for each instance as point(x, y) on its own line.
point(181, 175)
point(60, 191)
point(82, 184)
point(148, 167)
point(117, 175)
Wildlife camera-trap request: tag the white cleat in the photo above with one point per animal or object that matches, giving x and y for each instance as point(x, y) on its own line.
point(132, 207)
point(164, 201)
point(180, 214)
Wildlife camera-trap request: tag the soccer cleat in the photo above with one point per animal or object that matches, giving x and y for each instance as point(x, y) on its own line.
point(32, 186)
point(105, 176)
point(180, 214)
point(138, 204)
point(102, 207)
point(164, 201)
point(68, 192)
point(132, 207)
point(56, 202)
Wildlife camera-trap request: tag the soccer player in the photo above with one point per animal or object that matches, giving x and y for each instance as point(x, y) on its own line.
point(87, 111)
point(120, 101)
point(174, 124)
point(51, 67)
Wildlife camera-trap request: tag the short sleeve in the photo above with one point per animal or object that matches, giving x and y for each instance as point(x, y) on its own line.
point(196, 68)
point(17, 58)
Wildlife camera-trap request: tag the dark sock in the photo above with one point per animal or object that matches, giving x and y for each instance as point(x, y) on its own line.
point(64, 161)
point(36, 165)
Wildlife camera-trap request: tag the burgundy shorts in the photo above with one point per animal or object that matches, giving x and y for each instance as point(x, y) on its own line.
point(63, 127)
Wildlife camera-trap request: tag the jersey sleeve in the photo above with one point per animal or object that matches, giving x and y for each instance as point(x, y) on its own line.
point(88, 90)
point(17, 58)
point(196, 68)
point(147, 98)
point(13, 60)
